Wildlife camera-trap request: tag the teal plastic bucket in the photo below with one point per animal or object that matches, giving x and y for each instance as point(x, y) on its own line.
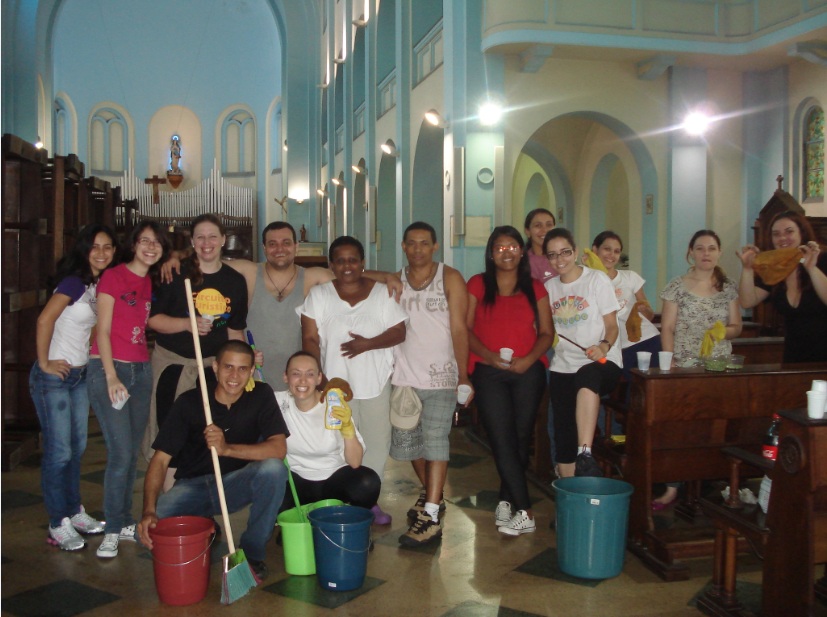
point(341, 540)
point(297, 538)
point(592, 517)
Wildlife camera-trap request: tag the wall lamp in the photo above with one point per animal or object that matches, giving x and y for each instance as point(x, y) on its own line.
point(359, 169)
point(389, 149)
point(360, 22)
point(336, 181)
point(284, 147)
point(321, 192)
point(433, 117)
point(339, 59)
point(696, 123)
point(38, 143)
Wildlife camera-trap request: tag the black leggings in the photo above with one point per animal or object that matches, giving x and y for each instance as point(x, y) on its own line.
point(358, 487)
point(508, 403)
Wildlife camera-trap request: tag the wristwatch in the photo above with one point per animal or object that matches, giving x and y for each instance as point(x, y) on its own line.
point(605, 341)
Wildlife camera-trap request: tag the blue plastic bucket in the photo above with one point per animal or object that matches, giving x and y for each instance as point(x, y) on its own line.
point(592, 517)
point(341, 540)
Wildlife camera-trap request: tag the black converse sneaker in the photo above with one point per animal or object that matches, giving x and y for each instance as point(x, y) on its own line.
point(586, 466)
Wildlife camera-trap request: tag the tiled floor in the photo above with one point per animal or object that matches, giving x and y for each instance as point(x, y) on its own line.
point(473, 572)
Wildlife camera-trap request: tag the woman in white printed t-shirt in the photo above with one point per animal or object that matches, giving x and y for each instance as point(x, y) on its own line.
point(587, 365)
point(326, 464)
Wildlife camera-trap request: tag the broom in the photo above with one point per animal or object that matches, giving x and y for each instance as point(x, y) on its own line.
point(238, 576)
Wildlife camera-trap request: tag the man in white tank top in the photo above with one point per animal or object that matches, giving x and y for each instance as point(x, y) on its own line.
point(433, 360)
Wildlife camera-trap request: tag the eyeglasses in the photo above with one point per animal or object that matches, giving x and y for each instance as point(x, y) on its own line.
point(503, 248)
point(563, 253)
point(149, 242)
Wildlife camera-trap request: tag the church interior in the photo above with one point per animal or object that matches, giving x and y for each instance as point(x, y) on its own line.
point(652, 118)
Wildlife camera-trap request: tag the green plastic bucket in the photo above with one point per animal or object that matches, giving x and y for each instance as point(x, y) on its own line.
point(592, 517)
point(297, 538)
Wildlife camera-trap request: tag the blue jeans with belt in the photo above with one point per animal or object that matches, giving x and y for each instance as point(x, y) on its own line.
point(123, 430)
point(63, 411)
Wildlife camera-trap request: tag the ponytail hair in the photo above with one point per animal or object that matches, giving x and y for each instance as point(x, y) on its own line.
point(718, 274)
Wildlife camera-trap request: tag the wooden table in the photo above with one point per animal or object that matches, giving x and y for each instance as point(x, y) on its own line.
point(678, 422)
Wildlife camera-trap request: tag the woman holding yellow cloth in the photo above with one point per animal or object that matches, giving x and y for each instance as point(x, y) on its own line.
point(701, 313)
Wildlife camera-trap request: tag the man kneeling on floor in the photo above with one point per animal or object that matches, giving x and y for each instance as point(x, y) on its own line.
point(250, 435)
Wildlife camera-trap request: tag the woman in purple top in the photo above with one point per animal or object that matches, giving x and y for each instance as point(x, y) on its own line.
point(538, 223)
point(57, 383)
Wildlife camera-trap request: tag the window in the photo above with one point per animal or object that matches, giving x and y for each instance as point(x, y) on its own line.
point(387, 94)
point(109, 141)
point(63, 130)
point(238, 144)
point(429, 54)
point(359, 121)
point(814, 154)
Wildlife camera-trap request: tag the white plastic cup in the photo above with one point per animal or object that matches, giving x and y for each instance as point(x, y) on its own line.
point(463, 394)
point(665, 360)
point(819, 385)
point(815, 404)
point(506, 353)
point(644, 358)
point(121, 401)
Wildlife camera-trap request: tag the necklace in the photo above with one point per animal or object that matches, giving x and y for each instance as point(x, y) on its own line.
point(280, 292)
point(428, 279)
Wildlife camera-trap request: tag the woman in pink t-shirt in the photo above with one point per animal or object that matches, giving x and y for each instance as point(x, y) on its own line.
point(120, 377)
point(508, 309)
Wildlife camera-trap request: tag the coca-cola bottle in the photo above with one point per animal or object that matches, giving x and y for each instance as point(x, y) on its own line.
point(769, 447)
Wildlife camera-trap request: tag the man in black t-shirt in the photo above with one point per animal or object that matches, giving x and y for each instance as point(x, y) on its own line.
point(250, 436)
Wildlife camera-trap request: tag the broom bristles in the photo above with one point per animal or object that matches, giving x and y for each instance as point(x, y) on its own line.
point(238, 577)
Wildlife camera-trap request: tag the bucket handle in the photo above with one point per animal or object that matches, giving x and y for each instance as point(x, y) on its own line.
point(196, 558)
point(329, 539)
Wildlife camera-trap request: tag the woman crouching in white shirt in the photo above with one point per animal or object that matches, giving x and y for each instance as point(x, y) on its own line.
point(326, 464)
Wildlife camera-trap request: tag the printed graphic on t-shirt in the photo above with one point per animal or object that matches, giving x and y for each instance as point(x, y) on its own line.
point(569, 311)
point(210, 301)
point(620, 299)
point(444, 376)
point(431, 299)
point(138, 336)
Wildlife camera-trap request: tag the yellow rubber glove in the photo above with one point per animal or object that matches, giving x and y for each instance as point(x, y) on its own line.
point(716, 333)
point(251, 383)
point(343, 413)
point(590, 260)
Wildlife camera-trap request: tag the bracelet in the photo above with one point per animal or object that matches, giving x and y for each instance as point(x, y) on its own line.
point(605, 341)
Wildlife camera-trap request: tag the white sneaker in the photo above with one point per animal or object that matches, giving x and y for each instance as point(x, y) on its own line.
point(127, 533)
point(109, 546)
point(502, 515)
point(65, 537)
point(85, 523)
point(518, 525)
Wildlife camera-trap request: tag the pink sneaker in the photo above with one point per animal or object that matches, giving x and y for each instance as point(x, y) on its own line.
point(379, 517)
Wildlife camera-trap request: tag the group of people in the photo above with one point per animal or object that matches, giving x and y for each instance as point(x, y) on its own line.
point(422, 329)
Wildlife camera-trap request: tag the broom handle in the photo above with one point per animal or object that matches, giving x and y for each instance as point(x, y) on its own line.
point(205, 399)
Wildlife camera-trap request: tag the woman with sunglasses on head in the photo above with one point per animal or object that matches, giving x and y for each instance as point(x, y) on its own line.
point(508, 309)
point(587, 359)
point(57, 383)
point(801, 298)
point(120, 378)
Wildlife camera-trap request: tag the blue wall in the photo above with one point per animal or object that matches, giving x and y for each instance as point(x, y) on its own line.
point(150, 54)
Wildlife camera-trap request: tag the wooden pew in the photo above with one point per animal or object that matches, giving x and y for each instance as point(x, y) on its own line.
point(759, 349)
point(678, 422)
point(793, 533)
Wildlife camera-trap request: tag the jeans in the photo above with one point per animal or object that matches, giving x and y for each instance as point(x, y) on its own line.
point(63, 410)
point(123, 430)
point(259, 484)
point(507, 403)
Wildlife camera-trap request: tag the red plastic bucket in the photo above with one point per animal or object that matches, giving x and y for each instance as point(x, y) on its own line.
point(181, 554)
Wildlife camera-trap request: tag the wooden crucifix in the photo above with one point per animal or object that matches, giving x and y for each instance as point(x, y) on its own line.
point(155, 181)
